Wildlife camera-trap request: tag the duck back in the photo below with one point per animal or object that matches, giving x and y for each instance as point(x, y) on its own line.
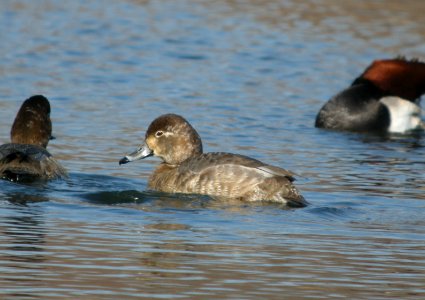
point(24, 162)
point(226, 175)
point(357, 108)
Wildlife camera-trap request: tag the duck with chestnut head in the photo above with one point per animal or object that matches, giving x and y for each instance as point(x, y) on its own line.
point(383, 99)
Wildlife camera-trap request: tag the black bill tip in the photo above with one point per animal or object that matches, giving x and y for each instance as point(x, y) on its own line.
point(124, 160)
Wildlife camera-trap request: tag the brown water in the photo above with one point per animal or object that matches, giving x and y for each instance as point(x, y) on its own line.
point(250, 76)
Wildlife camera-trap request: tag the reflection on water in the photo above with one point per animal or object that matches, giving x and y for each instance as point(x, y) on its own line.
point(250, 76)
point(167, 254)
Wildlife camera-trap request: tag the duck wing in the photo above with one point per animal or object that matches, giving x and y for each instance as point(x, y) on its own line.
point(235, 176)
point(204, 161)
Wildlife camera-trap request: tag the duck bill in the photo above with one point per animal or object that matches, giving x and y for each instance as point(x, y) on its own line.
point(140, 153)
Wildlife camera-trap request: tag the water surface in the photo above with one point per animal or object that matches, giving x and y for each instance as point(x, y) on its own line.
point(250, 76)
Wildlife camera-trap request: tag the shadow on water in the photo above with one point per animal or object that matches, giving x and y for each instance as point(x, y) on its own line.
point(21, 193)
point(165, 201)
point(334, 213)
point(413, 139)
point(116, 197)
point(114, 191)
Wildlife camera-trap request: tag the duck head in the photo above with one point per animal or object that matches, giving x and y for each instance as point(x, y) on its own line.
point(32, 124)
point(397, 77)
point(169, 137)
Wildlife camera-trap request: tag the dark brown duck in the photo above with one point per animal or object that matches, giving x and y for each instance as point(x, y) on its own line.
point(26, 157)
point(186, 169)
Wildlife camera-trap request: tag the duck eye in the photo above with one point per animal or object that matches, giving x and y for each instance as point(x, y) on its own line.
point(159, 133)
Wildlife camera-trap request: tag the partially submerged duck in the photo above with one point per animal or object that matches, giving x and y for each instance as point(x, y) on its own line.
point(383, 99)
point(186, 169)
point(26, 157)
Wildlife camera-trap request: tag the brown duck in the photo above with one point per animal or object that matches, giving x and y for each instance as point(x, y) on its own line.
point(185, 169)
point(26, 157)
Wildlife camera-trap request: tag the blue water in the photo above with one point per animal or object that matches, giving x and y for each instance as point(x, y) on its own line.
point(250, 77)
